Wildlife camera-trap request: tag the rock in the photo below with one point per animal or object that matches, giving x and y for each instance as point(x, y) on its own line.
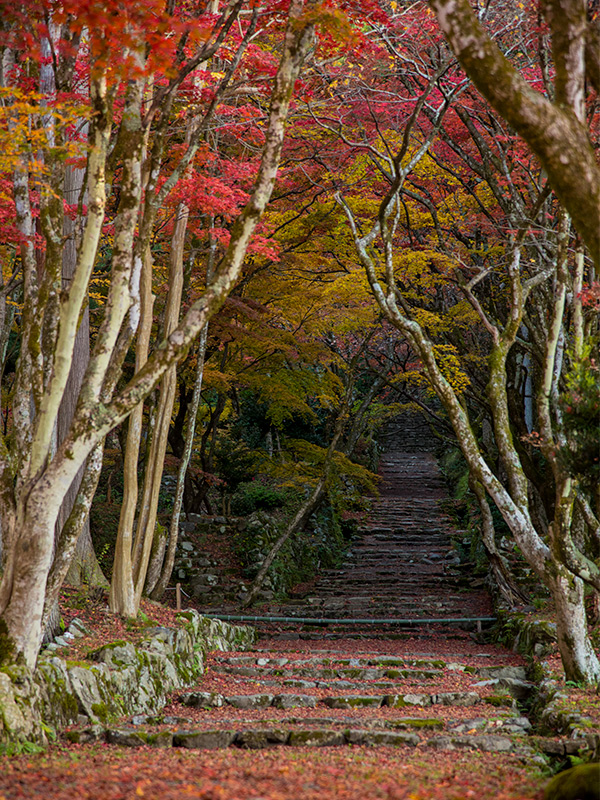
point(85, 688)
point(518, 689)
point(186, 545)
point(457, 698)
point(518, 673)
point(399, 700)
point(488, 744)
point(77, 624)
point(202, 699)
point(469, 726)
point(140, 719)
point(300, 684)
point(94, 733)
point(294, 701)
point(316, 738)
point(258, 739)
point(250, 700)
point(382, 738)
point(579, 783)
point(203, 740)
point(353, 701)
point(116, 655)
point(127, 738)
point(416, 722)
point(516, 725)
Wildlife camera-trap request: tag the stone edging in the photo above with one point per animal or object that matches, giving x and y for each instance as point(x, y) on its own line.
point(534, 638)
point(122, 678)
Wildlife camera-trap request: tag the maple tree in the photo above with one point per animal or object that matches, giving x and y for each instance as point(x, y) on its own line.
point(134, 70)
point(395, 228)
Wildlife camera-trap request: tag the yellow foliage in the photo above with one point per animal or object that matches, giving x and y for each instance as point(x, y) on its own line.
point(450, 367)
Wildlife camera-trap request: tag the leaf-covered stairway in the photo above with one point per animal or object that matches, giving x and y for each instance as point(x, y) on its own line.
point(402, 565)
point(446, 714)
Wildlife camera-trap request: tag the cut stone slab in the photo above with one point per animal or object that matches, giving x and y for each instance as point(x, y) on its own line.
point(487, 743)
point(258, 739)
point(127, 738)
point(294, 701)
point(203, 740)
point(415, 723)
point(250, 700)
point(372, 738)
point(316, 738)
point(457, 698)
point(202, 699)
point(516, 673)
point(401, 700)
point(354, 701)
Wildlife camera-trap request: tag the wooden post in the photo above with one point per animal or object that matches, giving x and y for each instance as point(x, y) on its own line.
point(178, 596)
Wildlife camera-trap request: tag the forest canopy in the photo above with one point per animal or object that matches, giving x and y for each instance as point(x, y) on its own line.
point(238, 238)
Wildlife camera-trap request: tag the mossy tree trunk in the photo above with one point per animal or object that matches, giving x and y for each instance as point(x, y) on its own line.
point(34, 475)
point(558, 563)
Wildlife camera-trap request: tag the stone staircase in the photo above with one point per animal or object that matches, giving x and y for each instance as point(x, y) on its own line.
point(388, 694)
point(412, 688)
point(402, 565)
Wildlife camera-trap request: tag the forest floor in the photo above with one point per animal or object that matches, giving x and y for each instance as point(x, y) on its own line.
point(324, 714)
point(398, 771)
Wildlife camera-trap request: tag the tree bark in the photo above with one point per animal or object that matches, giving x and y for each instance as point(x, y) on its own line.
point(34, 479)
point(556, 133)
point(157, 589)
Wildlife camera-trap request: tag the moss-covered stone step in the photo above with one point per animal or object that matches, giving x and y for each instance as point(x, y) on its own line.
point(261, 736)
point(382, 662)
point(245, 701)
point(354, 701)
point(364, 674)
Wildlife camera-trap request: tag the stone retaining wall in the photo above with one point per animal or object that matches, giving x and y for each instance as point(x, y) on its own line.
point(119, 679)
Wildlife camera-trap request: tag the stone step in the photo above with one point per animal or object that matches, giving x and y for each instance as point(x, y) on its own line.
point(259, 737)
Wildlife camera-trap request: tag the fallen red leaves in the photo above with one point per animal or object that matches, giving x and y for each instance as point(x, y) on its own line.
point(100, 773)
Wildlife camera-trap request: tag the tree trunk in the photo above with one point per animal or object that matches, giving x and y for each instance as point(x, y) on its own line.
point(579, 659)
point(158, 589)
point(501, 578)
point(30, 501)
point(121, 588)
point(84, 566)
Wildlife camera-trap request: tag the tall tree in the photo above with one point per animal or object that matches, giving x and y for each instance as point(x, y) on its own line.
point(125, 46)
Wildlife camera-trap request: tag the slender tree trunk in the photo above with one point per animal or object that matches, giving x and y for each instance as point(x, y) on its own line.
point(84, 566)
point(501, 577)
point(122, 587)
point(154, 468)
point(158, 589)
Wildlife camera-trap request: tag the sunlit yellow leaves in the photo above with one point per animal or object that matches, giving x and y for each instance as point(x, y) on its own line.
point(31, 126)
point(449, 364)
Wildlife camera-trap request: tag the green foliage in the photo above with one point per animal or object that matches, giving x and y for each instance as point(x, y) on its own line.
point(255, 496)
point(236, 463)
point(20, 748)
point(580, 404)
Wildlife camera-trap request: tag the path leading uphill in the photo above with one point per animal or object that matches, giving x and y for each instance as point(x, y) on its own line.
point(402, 564)
point(333, 711)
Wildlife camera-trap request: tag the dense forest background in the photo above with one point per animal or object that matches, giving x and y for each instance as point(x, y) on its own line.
point(239, 239)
